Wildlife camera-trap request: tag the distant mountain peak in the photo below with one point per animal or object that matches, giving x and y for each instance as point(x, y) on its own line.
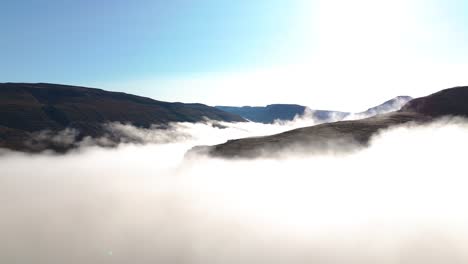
point(287, 112)
point(391, 105)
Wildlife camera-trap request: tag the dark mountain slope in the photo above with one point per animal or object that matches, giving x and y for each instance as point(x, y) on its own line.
point(453, 101)
point(344, 135)
point(26, 108)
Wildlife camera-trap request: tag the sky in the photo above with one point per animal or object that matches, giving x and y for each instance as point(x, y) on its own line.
point(327, 54)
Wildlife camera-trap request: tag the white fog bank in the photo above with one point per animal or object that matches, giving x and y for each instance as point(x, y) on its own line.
point(403, 200)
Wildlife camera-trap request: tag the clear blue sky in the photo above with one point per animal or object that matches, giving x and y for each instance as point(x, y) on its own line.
point(156, 47)
point(80, 41)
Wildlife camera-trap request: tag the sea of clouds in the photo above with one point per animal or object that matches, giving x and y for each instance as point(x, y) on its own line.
point(402, 200)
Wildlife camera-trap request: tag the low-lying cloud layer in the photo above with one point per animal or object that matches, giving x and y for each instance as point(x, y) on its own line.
point(403, 200)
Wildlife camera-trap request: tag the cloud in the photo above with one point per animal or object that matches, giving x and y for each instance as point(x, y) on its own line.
point(207, 132)
point(65, 138)
point(400, 201)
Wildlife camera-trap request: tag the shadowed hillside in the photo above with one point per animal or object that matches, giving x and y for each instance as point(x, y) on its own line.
point(27, 108)
point(453, 101)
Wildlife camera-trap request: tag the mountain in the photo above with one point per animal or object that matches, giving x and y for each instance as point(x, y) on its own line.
point(343, 136)
point(452, 101)
point(283, 112)
point(389, 106)
point(28, 108)
point(287, 112)
point(267, 114)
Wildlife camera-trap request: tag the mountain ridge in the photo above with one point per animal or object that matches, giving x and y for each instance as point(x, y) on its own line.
point(343, 136)
point(26, 108)
point(287, 112)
